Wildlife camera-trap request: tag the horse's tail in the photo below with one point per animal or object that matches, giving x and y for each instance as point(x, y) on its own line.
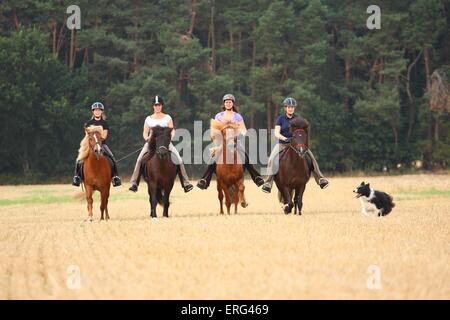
point(280, 196)
point(232, 191)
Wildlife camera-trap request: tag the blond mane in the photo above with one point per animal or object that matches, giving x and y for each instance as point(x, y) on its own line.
point(216, 131)
point(83, 152)
point(219, 125)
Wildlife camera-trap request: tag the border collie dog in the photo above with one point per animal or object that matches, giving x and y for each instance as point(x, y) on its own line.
point(378, 202)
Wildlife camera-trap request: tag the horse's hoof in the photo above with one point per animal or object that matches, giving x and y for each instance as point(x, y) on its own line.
point(244, 204)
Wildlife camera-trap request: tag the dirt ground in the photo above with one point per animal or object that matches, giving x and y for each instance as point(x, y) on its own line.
point(330, 252)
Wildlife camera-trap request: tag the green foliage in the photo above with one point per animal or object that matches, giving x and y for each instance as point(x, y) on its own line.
point(352, 83)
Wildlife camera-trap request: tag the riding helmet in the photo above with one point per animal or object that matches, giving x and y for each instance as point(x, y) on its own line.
point(97, 105)
point(228, 96)
point(157, 100)
point(289, 102)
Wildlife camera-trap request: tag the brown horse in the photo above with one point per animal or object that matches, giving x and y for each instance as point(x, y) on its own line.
point(294, 170)
point(159, 170)
point(229, 172)
point(96, 170)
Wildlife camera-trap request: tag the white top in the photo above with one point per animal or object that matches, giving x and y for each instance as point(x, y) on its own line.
point(163, 122)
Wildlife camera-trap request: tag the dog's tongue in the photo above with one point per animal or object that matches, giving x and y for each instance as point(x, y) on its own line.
point(357, 195)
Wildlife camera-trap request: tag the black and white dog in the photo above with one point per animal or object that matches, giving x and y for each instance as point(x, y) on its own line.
point(378, 202)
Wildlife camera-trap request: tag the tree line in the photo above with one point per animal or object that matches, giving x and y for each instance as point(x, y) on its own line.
point(376, 99)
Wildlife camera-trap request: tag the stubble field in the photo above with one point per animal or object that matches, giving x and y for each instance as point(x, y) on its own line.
point(330, 252)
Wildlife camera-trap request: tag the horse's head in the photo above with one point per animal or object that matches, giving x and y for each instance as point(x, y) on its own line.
point(299, 128)
point(94, 134)
point(160, 140)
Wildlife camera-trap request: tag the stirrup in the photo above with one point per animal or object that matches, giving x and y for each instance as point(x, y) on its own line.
point(259, 181)
point(202, 184)
point(323, 183)
point(76, 181)
point(116, 181)
point(266, 188)
point(188, 187)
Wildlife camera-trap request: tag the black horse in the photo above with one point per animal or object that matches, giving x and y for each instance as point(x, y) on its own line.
point(294, 168)
point(159, 170)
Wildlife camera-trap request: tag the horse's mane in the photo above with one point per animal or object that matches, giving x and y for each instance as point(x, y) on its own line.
point(83, 152)
point(299, 123)
point(219, 125)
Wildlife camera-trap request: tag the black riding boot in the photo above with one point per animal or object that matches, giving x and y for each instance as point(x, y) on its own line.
point(203, 183)
point(256, 177)
point(115, 179)
point(77, 177)
point(115, 174)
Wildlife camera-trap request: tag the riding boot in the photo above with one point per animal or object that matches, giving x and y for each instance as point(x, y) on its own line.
point(116, 179)
point(267, 186)
point(318, 176)
point(78, 172)
point(115, 175)
point(256, 177)
point(203, 183)
point(182, 175)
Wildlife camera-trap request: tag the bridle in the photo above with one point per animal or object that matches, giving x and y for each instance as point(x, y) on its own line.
point(96, 148)
point(303, 147)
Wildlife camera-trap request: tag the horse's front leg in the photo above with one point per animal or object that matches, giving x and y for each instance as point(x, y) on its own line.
point(299, 201)
point(166, 202)
point(244, 203)
point(220, 196)
point(287, 200)
point(104, 204)
point(90, 201)
point(296, 194)
point(153, 200)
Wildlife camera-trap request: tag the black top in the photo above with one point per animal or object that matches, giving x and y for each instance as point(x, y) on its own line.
point(94, 122)
point(283, 122)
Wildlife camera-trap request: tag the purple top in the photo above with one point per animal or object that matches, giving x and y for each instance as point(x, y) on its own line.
point(236, 117)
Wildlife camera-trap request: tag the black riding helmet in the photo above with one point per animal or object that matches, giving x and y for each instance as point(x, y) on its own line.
point(157, 100)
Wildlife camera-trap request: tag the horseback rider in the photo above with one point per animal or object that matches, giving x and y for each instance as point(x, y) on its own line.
point(98, 119)
point(158, 118)
point(229, 114)
point(284, 136)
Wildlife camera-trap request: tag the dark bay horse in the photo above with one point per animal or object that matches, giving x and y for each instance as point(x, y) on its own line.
point(159, 170)
point(96, 170)
point(229, 166)
point(294, 170)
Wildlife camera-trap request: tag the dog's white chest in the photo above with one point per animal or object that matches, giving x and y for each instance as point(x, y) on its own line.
point(367, 207)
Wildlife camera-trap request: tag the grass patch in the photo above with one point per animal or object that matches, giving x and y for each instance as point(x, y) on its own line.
point(38, 199)
point(49, 197)
point(429, 193)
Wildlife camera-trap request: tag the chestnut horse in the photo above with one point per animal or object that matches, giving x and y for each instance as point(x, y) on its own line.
point(159, 170)
point(294, 169)
point(96, 170)
point(229, 166)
